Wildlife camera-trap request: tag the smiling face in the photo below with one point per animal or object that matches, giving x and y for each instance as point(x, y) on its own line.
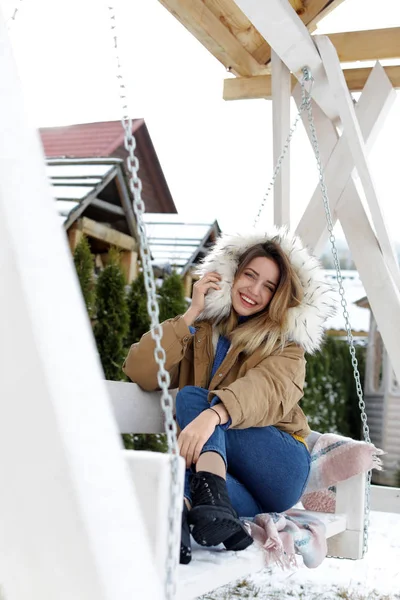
point(255, 286)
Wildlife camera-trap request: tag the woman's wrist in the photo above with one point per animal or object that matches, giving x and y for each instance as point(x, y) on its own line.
point(190, 316)
point(221, 412)
point(217, 415)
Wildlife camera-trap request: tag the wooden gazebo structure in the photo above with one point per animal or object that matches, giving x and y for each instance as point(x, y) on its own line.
point(265, 46)
point(230, 33)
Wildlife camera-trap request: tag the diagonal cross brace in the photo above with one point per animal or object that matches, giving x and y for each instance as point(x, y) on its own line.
point(372, 108)
point(346, 205)
point(357, 147)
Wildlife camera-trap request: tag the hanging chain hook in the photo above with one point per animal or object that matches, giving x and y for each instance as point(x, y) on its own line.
point(307, 79)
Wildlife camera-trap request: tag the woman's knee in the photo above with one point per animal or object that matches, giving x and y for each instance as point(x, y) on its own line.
point(190, 401)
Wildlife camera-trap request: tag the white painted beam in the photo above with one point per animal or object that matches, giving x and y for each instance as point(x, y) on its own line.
point(385, 499)
point(70, 522)
point(281, 94)
point(151, 476)
point(287, 35)
point(371, 110)
point(383, 295)
point(356, 144)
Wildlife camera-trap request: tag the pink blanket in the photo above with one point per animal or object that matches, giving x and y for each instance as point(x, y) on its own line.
point(334, 458)
point(282, 536)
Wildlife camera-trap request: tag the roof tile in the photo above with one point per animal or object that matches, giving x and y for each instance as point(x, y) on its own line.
point(85, 140)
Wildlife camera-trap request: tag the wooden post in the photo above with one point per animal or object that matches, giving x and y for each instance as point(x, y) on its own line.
point(281, 92)
point(74, 236)
point(70, 521)
point(187, 284)
point(129, 265)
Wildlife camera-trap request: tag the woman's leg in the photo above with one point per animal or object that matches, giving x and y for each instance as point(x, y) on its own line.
point(190, 402)
point(269, 468)
point(212, 517)
point(272, 465)
point(241, 499)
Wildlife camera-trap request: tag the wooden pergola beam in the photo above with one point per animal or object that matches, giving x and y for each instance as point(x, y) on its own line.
point(106, 234)
point(210, 30)
point(375, 44)
point(248, 88)
point(231, 37)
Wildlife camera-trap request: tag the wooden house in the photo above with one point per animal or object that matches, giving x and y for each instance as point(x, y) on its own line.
point(87, 172)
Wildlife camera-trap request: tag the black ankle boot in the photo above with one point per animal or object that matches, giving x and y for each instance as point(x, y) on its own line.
point(186, 549)
point(212, 518)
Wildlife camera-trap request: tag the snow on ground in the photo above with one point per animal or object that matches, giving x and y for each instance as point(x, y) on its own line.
point(377, 576)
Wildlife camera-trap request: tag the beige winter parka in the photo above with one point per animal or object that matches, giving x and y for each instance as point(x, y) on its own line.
point(256, 392)
point(256, 389)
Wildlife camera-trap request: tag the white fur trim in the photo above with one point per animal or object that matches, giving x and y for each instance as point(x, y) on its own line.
point(305, 322)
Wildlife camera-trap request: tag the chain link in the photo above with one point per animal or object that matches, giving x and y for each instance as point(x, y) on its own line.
point(163, 378)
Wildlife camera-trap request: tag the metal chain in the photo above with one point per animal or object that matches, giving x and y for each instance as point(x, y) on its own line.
point(306, 99)
point(281, 157)
point(163, 378)
point(306, 104)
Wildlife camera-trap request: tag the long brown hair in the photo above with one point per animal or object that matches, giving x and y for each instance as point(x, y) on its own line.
point(268, 327)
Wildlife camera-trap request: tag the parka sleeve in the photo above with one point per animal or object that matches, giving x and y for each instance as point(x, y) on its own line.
point(140, 365)
point(267, 393)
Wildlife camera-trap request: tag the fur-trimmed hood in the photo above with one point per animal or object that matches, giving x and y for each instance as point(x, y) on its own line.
point(305, 322)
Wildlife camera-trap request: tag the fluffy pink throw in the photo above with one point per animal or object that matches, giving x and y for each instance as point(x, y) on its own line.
point(334, 458)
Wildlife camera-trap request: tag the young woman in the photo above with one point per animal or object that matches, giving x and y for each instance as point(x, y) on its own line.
point(237, 357)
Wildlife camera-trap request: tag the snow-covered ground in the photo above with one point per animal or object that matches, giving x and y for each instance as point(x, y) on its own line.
point(375, 577)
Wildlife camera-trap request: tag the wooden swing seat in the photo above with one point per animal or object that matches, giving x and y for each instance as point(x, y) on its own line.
point(140, 412)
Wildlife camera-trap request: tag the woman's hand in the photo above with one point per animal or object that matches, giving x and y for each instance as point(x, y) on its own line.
point(209, 281)
point(192, 439)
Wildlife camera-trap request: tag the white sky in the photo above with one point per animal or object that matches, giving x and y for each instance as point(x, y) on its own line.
point(216, 155)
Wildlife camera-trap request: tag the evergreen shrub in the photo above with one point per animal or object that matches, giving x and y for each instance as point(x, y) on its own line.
point(84, 266)
point(112, 317)
point(171, 299)
point(330, 398)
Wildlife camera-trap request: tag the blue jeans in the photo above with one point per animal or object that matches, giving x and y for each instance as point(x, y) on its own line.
point(267, 469)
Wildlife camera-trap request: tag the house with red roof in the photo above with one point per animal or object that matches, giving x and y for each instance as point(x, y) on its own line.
point(87, 169)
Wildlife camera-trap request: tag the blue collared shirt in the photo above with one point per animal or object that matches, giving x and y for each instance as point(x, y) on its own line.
point(221, 351)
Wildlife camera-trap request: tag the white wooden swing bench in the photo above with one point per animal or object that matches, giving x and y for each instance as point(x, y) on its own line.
point(139, 412)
